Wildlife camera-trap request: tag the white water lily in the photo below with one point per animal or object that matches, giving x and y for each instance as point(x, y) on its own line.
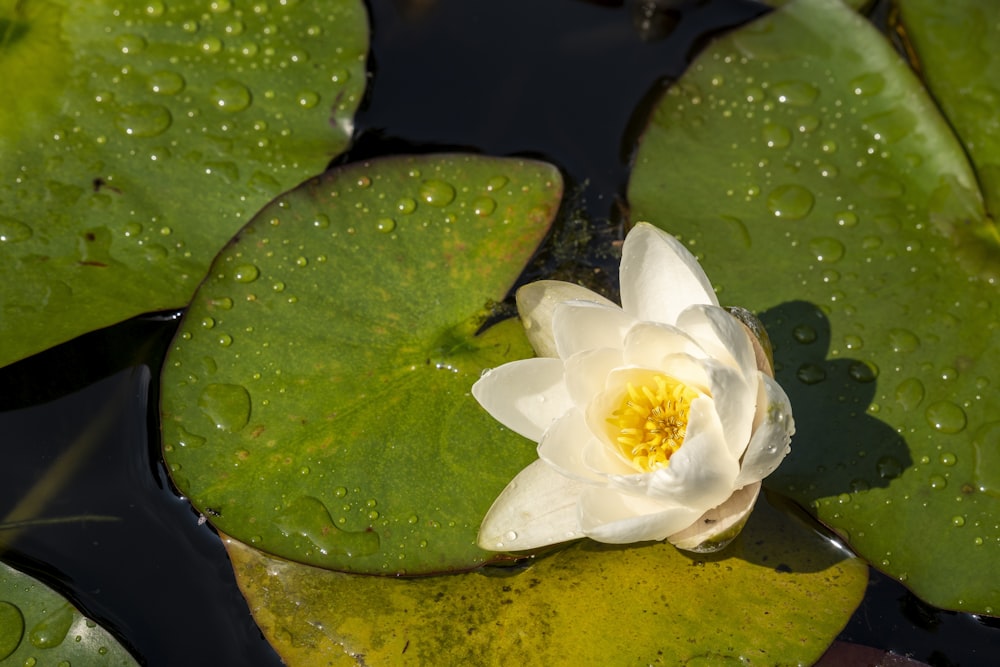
point(654, 420)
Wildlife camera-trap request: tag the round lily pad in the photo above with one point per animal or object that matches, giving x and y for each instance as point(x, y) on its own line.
point(316, 402)
point(38, 626)
point(804, 162)
point(137, 138)
point(778, 595)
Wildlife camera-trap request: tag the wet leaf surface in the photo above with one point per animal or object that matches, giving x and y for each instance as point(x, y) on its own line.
point(316, 400)
point(778, 595)
point(38, 626)
point(138, 138)
point(802, 159)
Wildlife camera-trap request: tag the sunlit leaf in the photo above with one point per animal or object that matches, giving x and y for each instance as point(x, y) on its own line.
point(136, 138)
point(777, 596)
point(316, 400)
point(802, 159)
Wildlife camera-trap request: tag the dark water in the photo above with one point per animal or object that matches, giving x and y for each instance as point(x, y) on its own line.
point(564, 80)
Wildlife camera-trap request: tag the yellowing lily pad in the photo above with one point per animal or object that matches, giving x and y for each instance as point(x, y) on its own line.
point(777, 596)
point(803, 161)
point(316, 402)
point(40, 627)
point(136, 138)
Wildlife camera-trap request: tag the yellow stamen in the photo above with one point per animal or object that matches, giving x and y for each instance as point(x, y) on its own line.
point(652, 421)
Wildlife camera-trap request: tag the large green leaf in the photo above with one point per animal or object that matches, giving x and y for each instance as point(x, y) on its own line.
point(316, 400)
point(136, 138)
point(955, 46)
point(777, 596)
point(802, 159)
point(40, 627)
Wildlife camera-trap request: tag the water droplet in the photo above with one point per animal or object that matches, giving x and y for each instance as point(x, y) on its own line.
point(245, 273)
point(143, 120)
point(340, 76)
point(227, 405)
point(776, 136)
point(308, 517)
point(958, 521)
point(804, 334)
point(510, 536)
point(902, 340)
point(230, 95)
point(437, 193)
point(859, 485)
point(210, 45)
point(51, 630)
point(340, 491)
point(948, 459)
point(483, 206)
point(222, 303)
point(406, 205)
point(807, 123)
point(795, 93)
point(220, 6)
point(862, 371)
point(11, 628)
point(790, 201)
point(986, 452)
point(154, 9)
point(867, 84)
point(945, 417)
point(888, 467)
point(828, 146)
point(385, 225)
point(909, 393)
point(847, 219)
point(307, 99)
point(13, 231)
point(810, 374)
point(130, 44)
point(412, 519)
point(938, 482)
point(186, 438)
point(826, 249)
point(496, 183)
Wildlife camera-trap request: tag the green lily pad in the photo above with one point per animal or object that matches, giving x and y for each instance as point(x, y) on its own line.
point(954, 44)
point(38, 626)
point(800, 157)
point(316, 402)
point(778, 595)
point(137, 138)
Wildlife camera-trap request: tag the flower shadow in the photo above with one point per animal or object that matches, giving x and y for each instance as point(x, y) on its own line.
point(839, 446)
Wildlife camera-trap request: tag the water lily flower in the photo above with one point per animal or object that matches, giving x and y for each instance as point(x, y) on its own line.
point(654, 420)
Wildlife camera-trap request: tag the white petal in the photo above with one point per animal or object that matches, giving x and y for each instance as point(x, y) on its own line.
point(771, 436)
point(563, 444)
point(535, 303)
point(604, 459)
point(585, 325)
point(617, 518)
point(647, 344)
point(586, 373)
point(718, 526)
point(735, 402)
point(721, 335)
point(538, 508)
point(526, 396)
point(701, 473)
point(660, 277)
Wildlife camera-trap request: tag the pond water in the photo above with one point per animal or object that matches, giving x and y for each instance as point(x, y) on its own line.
point(563, 80)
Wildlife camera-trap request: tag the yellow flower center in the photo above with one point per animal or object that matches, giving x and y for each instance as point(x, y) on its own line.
point(652, 421)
